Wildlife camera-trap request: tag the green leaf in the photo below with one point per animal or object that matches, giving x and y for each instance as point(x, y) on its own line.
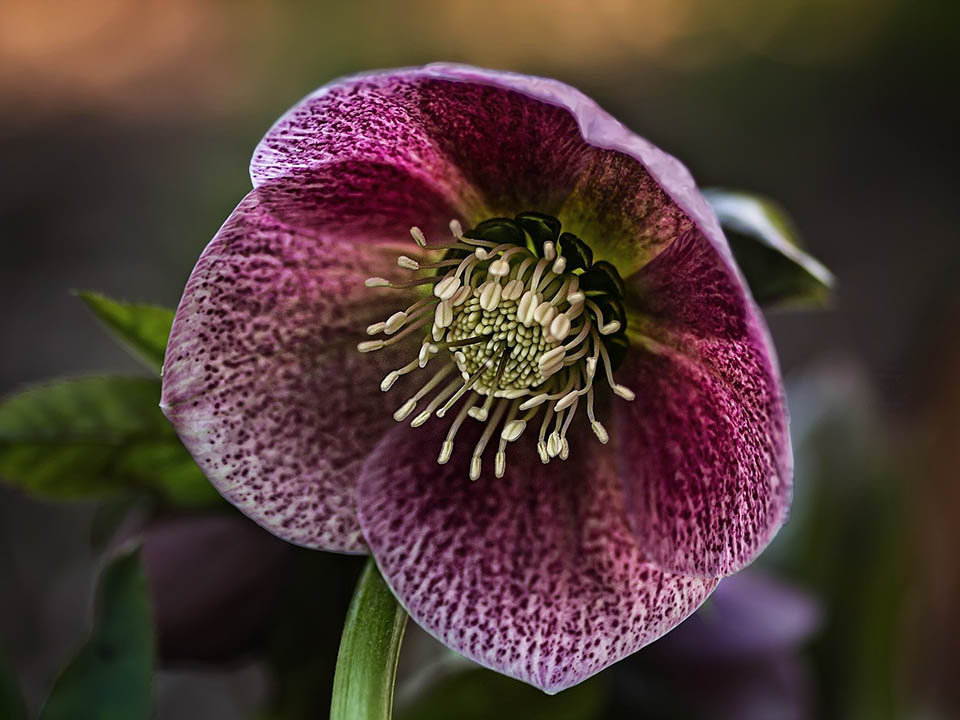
point(11, 701)
point(143, 329)
point(369, 649)
point(111, 678)
point(94, 437)
point(768, 251)
point(479, 694)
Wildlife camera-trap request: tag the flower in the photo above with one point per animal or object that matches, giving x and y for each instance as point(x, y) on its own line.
point(524, 191)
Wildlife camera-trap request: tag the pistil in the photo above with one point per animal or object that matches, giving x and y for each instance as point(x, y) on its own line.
point(507, 315)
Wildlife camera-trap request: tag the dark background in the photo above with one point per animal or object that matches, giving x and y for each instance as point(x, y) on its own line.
point(125, 133)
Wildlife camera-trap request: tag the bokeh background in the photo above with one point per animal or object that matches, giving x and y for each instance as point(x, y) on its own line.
point(125, 132)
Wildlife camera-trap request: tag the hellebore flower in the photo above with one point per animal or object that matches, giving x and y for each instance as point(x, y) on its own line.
point(557, 263)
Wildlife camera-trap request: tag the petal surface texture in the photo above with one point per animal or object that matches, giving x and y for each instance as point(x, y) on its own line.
point(705, 447)
point(262, 379)
point(277, 302)
point(535, 574)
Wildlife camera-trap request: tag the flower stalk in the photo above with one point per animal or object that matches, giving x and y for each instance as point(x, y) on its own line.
point(369, 648)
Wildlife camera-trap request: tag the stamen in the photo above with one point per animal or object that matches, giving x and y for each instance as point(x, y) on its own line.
point(418, 236)
point(492, 423)
point(509, 319)
point(432, 405)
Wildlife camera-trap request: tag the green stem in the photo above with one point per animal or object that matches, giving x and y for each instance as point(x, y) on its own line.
point(369, 648)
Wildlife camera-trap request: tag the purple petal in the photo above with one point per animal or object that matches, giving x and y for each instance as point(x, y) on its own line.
point(706, 441)
point(535, 574)
point(495, 142)
point(262, 379)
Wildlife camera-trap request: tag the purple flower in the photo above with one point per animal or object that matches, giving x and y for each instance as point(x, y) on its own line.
point(564, 276)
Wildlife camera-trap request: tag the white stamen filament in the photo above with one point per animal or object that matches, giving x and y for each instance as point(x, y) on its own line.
point(511, 326)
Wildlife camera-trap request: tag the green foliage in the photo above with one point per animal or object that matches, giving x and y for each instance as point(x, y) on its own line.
point(369, 649)
point(143, 329)
point(97, 436)
point(767, 249)
point(111, 678)
point(479, 694)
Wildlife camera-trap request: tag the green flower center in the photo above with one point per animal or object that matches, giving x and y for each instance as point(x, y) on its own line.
point(524, 319)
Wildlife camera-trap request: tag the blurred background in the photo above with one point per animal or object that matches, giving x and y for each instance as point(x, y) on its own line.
point(125, 133)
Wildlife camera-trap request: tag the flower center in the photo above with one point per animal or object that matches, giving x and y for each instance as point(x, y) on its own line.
point(520, 319)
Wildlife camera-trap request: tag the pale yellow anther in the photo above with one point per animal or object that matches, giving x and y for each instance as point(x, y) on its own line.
point(560, 327)
point(527, 307)
point(609, 328)
point(624, 392)
point(544, 314)
point(420, 419)
point(500, 464)
point(513, 430)
point(369, 345)
point(499, 268)
point(447, 288)
point(534, 402)
point(389, 380)
point(456, 229)
point(443, 315)
point(552, 356)
point(512, 290)
point(408, 263)
point(591, 367)
point(404, 410)
point(475, 468)
point(376, 328)
point(576, 298)
point(424, 355)
point(559, 265)
point(566, 401)
point(376, 282)
point(446, 452)
point(549, 251)
point(478, 412)
point(553, 444)
point(542, 452)
point(490, 296)
point(600, 431)
point(418, 237)
point(395, 322)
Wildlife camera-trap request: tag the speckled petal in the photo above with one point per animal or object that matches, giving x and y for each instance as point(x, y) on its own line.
point(705, 445)
point(497, 143)
point(262, 379)
point(535, 574)
point(493, 143)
